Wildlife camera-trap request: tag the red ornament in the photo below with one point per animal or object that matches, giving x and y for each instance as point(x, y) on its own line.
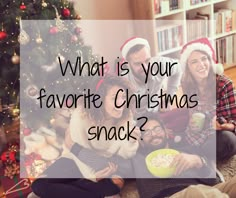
point(74, 38)
point(65, 12)
point(3, 35)
point(78, 30)
point(68, 103)
point(22, 6)
point(26, 131)
point(53, 30)
point(8, 156)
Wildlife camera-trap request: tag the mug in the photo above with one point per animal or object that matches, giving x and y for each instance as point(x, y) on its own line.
point(197, 121)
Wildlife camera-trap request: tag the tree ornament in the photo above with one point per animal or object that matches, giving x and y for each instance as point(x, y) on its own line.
point(53, 30)
point(39, 40)
point(26, 131)
point(78, 30)
point(9, 157)
point(59, 23)
point(15, 59)
point(14, 147)
point(15, 112)
point(32, 91)
point(44, 4)
point(12, 170)
point(22, 6)
point(65, 12)
point(74, 38)
point(23, 37)
point(3, 35)
point(19, 186)
point(62, 58)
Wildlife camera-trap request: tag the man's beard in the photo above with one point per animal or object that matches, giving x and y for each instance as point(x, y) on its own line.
point(162, 145)
point(150, 147)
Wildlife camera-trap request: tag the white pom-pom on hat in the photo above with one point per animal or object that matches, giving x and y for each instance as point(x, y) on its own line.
point(218, 68)
point(131, 42)
point(202, 44)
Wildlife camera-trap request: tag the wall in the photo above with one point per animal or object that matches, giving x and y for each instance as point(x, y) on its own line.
point(103, 9)
point(106, 29)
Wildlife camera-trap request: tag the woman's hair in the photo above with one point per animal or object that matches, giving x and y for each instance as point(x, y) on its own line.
point(101, 87)
point(189, 83)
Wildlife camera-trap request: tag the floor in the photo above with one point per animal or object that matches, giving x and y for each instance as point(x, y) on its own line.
point(231, 73)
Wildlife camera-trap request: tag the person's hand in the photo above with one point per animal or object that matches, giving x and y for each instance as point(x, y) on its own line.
point(184, 161)
point(223, 126)
point(68, 141)
point(106, 172)
point(193, 125)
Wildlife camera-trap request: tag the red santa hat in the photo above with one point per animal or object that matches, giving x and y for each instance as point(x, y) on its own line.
point(128, 44)
point(202, 44)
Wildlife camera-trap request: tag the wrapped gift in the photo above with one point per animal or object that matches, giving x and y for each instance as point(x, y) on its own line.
point(14, 188)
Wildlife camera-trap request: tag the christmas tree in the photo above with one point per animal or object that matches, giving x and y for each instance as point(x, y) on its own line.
point(12, 34)
point(11, 12)
point(16, 33)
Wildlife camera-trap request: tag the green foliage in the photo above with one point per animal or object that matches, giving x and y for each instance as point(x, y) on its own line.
point(10, 13)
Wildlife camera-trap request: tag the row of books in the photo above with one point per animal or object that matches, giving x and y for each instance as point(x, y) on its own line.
point(194, 2)
point(226, 49)
point(198, 26)
point(170, 37)
point(225, 20)
point(164, 6)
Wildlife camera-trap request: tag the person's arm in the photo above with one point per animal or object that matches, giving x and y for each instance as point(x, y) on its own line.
point(102, 167)
point(226, 107)
point(183, 162)
point(87, 156)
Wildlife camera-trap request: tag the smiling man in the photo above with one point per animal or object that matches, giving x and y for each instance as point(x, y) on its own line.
point(161, 74)
point(155, 71)
point(155, 137)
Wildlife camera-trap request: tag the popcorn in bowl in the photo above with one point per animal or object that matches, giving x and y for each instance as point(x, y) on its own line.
point(162, 160)
point(158, 162)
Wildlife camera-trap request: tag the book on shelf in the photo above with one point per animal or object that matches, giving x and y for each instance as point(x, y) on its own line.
point(198, 26)
point(229, 54)
point(157, 6)
point(218, 22)
point(224, 20)
point(174, 4)
point(164, 6)
point(226, 50)
point(169, 36)
point(195, 2)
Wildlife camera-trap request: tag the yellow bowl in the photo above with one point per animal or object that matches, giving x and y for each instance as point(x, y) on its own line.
point(158, 171)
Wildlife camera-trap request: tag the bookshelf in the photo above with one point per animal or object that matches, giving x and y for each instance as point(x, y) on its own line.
point(172, 23)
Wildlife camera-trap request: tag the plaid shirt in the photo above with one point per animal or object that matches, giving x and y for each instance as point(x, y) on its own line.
point(226, 108)
point(226, 100)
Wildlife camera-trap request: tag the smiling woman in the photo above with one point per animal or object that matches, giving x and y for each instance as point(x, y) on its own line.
point(83, 121)
point(216, 96)
point(84, 154)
